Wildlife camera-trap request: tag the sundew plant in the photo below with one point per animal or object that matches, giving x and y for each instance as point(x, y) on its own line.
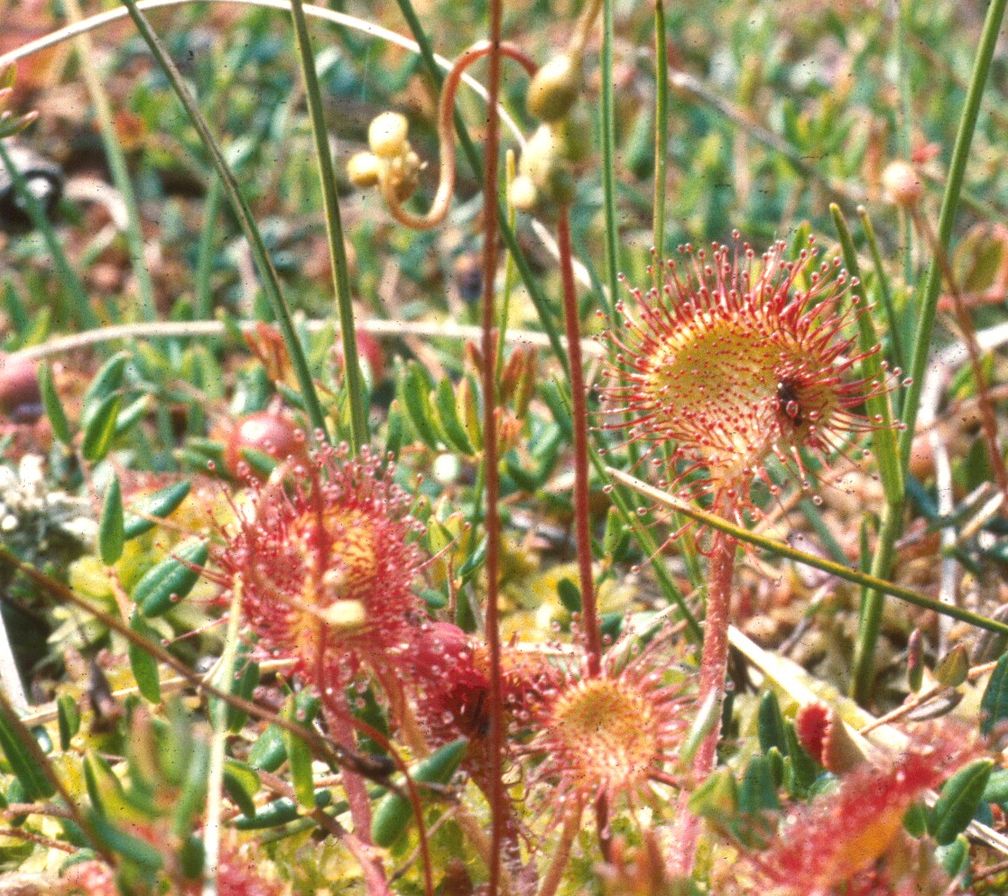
point(511, 449)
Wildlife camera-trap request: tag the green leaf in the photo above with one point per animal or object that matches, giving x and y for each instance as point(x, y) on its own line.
point(953, 668)
point(770, 724)
point(299, 759)
point(242, 784)
point(994, 703)
point(245, 680)
point(758, 793)
point(284, 810)
point(14, 737)
point(126, 845)
point(570, 595)
point(954, 857)
point(143, 664)
point(110, 526)
point(959, 800)
point(394, 812)
point(53, 406)
point(68, 717)
point(106, 382)
point(99, 431)
point(446, 413)
point(171, 580)
point(160, 504)
point(413, 390)
point(716, 797)
point(268, 752)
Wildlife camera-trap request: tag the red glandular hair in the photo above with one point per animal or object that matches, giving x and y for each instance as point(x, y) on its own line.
point(612, 734)
point(325, 558)
point(730, 362)
point(839, 839)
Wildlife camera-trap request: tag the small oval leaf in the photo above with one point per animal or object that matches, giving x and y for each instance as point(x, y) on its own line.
point(100, 428)
point(994, 703)
point(160, 504)
point(393, 813)
point(143, 664)
point(171, 580)
point(53, 406)
point(958, 801)
point(110, 527)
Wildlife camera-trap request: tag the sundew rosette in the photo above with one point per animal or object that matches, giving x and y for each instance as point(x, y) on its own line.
point(326, 559)
point(735, 359)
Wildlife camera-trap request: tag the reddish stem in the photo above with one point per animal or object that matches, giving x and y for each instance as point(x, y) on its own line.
point(582, 522)
point(490, 460)
point(713, 668)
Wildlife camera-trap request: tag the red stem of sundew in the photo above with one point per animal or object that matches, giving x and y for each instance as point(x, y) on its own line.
point(490, 224)
point(582, 527)
point(713, 668)
point(582, 522)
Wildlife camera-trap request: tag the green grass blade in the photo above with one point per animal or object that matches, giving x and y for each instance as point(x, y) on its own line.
point(267, 271)
point(334, 232)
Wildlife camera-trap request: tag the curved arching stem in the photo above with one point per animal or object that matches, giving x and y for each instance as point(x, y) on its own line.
point(446, 139)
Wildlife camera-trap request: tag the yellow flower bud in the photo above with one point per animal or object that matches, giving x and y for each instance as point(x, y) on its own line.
point(387, 134)
point(554, 88)
point(522, 193)
point(363, 169)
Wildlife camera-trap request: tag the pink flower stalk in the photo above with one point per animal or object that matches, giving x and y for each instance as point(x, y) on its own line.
point(728, 365)
point(326, 561)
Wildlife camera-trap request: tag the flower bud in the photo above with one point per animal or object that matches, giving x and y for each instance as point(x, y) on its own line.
point(523, 194)
point(387, 134)
point(539, 155)
point(901, 184)
point(363, 169)
point(574, 133)
point(554, 88)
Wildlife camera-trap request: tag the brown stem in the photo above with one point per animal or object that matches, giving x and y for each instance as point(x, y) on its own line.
point(582, 522)
point(713, 668)
point(986, 406)
point(490, 459)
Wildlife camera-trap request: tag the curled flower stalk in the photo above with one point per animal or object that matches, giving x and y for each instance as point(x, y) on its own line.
point(732, 361)
point(394, 167)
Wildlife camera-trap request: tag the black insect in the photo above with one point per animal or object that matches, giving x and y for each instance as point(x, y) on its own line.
point(787, 401)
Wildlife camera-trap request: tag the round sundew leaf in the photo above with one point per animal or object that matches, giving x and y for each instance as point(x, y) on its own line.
point(172, 579)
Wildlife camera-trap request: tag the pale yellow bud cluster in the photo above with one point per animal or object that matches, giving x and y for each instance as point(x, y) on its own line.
point(547, 165)
point(391, 164)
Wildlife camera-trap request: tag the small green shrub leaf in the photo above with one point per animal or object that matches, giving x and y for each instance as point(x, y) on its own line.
point(99, 431)
point(53, 406)
point(994, 703)
point(159, 504)
point(958, 801)
point(172, 579)
point(110, 526)
point(144, 666)
point(393, 813)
